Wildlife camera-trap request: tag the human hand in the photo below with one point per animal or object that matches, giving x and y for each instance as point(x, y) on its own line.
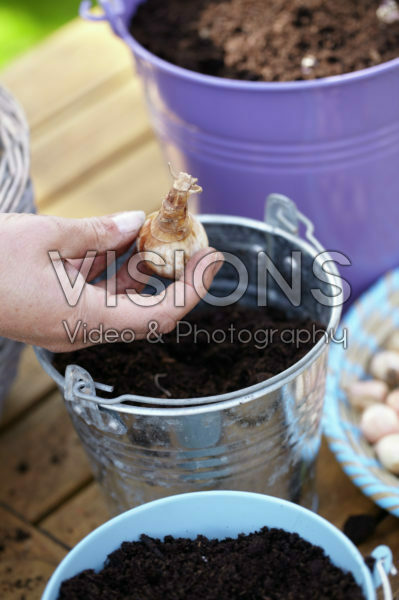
point(34, 306)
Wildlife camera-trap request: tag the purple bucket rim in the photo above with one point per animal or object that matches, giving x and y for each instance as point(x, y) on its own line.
point(237, 84)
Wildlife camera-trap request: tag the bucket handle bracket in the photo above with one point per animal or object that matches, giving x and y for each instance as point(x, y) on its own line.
point(113, 11)
point(78, 384)
point(383, 567)
point(282, 212)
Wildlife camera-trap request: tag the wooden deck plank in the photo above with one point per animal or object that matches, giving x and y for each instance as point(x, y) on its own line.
point(78, 516)
point(43, 462)
point(79, 144)
point(338, 496)
point(77, 59)
point(31, 384)
point(28, 558)
point(137, 181)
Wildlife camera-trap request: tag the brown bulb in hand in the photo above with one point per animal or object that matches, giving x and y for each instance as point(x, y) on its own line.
point(172, 232)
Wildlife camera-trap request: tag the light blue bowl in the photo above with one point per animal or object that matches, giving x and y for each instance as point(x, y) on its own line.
point(216, 514)
point(368, 323)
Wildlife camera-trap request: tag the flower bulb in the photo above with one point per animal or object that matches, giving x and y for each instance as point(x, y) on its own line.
point(172, 233)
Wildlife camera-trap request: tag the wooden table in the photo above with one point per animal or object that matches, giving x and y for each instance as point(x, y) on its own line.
point(93, 153)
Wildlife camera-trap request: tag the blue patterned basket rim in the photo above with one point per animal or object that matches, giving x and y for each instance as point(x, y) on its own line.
point(356, 465)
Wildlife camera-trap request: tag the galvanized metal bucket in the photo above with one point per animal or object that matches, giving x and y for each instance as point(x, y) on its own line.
point(264, 438)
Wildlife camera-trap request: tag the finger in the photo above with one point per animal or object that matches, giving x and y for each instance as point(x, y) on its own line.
point(98, 308)
point(100, 262)
point(74, 265)
point(137, 311)
point(183, 295)
point(130, 276)
point(74, 237)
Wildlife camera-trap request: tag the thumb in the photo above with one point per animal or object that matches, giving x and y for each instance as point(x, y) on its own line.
point(76, 236)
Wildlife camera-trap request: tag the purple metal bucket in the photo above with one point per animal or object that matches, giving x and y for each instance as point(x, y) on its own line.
point(330, 144)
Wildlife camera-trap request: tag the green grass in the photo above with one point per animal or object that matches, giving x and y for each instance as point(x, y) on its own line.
point(25, 22)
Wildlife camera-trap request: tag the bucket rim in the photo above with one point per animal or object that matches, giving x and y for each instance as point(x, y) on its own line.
point(244, 395)
point(118, 22)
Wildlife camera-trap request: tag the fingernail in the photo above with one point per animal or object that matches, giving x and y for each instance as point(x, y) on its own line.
point(128, 222)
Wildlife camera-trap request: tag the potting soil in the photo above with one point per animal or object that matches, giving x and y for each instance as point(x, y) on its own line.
point(264, 40)
point(211, 352)
point(271, 564)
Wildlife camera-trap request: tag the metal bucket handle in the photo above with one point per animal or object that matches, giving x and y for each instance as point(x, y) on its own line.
point(282, 212)
point(76, 382)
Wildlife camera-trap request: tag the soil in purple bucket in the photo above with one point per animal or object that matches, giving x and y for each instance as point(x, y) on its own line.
point(264, 40)
point(266, 565)
point(211, 352)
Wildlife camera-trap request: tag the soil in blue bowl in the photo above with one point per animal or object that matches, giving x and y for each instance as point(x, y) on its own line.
point(270, 564)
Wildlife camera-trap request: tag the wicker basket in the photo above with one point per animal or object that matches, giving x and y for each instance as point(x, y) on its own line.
point(369, 323)
point(16, 195)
